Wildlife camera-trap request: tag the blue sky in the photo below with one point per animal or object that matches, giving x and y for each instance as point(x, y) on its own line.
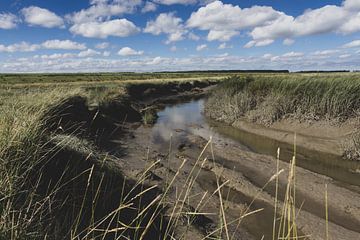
point(171, 35)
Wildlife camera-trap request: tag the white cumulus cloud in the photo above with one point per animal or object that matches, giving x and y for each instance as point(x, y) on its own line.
point(8, 21)
point(355, 43)
point(102, 45)
point(201, 47)
point(224, 21)
point(288, 41)
point(193, 36)
point(49, 44)
point(293, 54)
point(261, 43)
point(103, 10)
point(19, 47)
point(106, 53)
point(343, 19)
point(127, 51)
point(170, 2)
point(117, 27)
point(56, 56)
point(169, 24)
point(345, 56)
point(88, 53)
point(224, 46)
point(36, 16)
point(353, 5)
point(265, 24)
point(63, 44)
point(325, 52)
point(149, 7)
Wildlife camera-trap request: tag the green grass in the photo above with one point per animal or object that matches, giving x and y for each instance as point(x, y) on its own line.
point(149, 117)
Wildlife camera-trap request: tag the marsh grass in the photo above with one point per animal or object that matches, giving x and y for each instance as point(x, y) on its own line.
point(149, 117)
point(267, 99)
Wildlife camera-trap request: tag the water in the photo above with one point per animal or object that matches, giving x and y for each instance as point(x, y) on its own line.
point(177, 120)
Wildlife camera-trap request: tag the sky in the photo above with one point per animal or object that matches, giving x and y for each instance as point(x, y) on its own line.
point(178, 35)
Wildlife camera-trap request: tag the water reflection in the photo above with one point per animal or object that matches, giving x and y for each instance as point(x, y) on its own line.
point(175, 121)
point(179, 119)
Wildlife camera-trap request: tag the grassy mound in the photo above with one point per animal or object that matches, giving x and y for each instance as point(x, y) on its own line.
point(266, 99)
point(57, 184)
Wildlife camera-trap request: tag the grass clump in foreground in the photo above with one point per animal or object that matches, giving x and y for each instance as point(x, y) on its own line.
point(52, 180)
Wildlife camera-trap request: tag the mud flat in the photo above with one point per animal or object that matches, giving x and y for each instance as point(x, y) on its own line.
point(323, 155)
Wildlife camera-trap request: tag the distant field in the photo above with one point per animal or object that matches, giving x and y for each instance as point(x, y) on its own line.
point(123, 76)
point(98, 77)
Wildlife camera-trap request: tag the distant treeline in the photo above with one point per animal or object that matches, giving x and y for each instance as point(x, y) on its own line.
point(333, 71)
point(230, 71)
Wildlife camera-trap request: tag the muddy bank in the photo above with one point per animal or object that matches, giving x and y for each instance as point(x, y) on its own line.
point(320, 136)
point(91, 190)
point(343, 172)
point(242, 175)
point(324, 146)
point(77, 185)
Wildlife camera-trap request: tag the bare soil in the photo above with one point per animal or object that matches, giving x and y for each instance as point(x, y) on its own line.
point(320, 136)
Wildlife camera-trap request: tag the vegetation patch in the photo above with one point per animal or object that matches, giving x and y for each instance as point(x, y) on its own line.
point(57, 183)
point(266, 99)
